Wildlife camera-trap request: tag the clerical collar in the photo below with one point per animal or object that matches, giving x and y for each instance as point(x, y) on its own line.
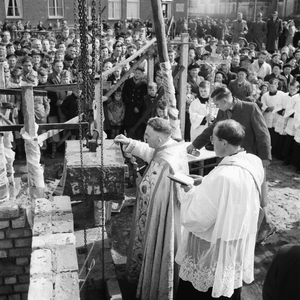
point(241, 150)
point(273, 93)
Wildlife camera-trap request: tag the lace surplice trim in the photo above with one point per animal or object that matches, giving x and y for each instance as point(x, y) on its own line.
point(203, 278)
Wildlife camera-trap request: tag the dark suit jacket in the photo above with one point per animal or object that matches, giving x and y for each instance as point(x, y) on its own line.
point(257, 138)
point(241, 92)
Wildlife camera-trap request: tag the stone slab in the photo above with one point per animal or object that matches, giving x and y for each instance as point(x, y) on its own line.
point(52, 240)
point(43, 207)
point(62, 223)
point(42, 225)
point(64, 259)
point(61, 204)
point(112, 171)
point(43, 287)
point(66, 286)
point(41, 263)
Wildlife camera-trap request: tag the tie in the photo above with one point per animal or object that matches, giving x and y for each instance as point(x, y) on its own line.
point(229, 113)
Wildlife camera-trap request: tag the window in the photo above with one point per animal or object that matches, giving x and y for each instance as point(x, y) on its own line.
point(114, 9)
point(56, 8)
point(133, 9)
point(193, 4)
point(13, 8)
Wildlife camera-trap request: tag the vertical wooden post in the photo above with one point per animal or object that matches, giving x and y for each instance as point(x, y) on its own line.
point(32, 149)
point(183, 80)
point(2, 82)
point(160, 31)
point(150, 74)
point(28, 110)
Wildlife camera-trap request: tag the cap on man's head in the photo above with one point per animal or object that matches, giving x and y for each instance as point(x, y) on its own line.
point(245, 49)
point(245, 58)
point(275, 54)
point(68, 57)
point(140, 68)
point(194, 66)
point(243, 70)
point(252, 43)
point(287, 65)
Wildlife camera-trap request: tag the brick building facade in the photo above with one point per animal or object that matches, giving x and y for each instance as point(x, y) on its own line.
point(48, 11)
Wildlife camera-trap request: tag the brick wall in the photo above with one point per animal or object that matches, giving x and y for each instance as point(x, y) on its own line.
point(15, 251)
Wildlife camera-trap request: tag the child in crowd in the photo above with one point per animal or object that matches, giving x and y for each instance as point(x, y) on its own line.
point(281, 123)
point(116, 113)
point(202, 111)
point(269, 101)
point(292, 112)
point(149, 99)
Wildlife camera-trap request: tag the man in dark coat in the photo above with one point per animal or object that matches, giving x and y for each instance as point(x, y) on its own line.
point(257, 138)
point(274, 30)
point(240, 87)
point(258, 31)
point(133, 93)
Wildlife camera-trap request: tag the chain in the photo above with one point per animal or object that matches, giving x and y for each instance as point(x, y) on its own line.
point(82, 72)
point(102, 148)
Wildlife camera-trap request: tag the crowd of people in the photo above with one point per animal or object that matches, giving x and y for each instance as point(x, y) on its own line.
point(258, 70)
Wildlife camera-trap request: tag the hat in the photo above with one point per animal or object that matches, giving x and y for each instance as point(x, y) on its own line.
point(245, 57)
point(36, 52)
point(10, 55)
point(243, 70)
point(275, 54)
point(275, 13)
point(140, 68)
point(222, 73)
point(252, 43)
point(68, 57)
point(243, 39)
point(193, 66)
point(276, 65)
point(287, 65)
point(245, 49)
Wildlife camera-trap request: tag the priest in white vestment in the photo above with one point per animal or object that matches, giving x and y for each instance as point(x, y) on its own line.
point(220, 218)
point(156, 229)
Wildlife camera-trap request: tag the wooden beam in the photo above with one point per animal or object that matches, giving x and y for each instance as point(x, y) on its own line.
point(129, 59)
point(150, 73)
point(18, 91)
point(125, 76)
point(160, 31)
point(2, 82)
point(47, 126)
point(183, 80)
point(28, 110)
point(58, 87)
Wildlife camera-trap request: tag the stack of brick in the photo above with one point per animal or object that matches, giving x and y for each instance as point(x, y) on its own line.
point(54, 266)
point(15, 251)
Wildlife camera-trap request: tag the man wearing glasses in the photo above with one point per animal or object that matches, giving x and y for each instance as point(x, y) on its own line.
point(219, 216)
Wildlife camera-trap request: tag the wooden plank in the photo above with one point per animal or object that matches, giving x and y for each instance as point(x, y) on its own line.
point(183, 81)
point(129, 59)
point(19, 92)
point(47, 126)
point(125, 76)
point(58, 87)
